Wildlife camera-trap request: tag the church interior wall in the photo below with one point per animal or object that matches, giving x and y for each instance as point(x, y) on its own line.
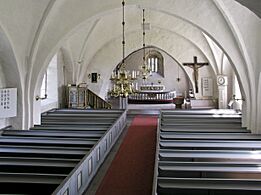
point(258, 115)
point(106, 58)
point(171, 71)
point(245, 28)
point(3, 122)
point(228, 70)
point(33, 45)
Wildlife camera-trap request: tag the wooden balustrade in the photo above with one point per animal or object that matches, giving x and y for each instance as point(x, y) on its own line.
point(96, 102)
point(81, 97)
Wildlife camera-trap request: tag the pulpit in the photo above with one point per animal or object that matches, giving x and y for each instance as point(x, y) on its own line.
point(178, 101)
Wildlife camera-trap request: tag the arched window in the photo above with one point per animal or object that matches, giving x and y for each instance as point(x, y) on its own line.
point(49, 88)
point(155, 62)
point(44, 86)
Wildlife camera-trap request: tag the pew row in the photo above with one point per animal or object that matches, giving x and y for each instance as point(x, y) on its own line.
point(78, 180)
point(206, 152)
point(209, 186)
point(69, 155)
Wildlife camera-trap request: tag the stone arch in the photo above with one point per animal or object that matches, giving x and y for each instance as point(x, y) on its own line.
point(12, 75)
point(229, 47)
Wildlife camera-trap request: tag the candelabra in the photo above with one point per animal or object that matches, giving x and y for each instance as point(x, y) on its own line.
point(145, 69)
point(123, 83)
point(122, 79)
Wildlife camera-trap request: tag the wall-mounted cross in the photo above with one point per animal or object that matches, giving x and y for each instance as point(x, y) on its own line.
point(195, 66)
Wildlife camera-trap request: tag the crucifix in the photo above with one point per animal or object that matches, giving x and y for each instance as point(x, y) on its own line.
point(195, 66)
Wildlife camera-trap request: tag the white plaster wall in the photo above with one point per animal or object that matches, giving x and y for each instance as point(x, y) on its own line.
point(135, 61)
point(182, 50)
point(3, 122)
point(229, 72)
point(48, 24)
point(20, 20)
point(215, 26)
point(61, 79)
point(52, 87)
point(248, 27)
point(259, 105)
point(12, 79)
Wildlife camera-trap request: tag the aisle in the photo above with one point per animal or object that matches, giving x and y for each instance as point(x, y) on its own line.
point(132, 169)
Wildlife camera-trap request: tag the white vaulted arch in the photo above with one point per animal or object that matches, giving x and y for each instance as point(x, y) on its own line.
point(12, 75)
point(55, 22)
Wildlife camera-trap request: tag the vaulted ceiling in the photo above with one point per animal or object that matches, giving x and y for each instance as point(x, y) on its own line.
point(253, 5)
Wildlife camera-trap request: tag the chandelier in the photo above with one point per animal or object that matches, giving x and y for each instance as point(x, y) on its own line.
point(145, 69)
point(122, 79)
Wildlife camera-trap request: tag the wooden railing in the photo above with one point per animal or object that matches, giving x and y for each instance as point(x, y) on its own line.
point(96, 102)
point(152, 97)
point(79, 96)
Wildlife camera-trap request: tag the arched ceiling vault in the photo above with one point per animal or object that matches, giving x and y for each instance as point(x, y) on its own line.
point(53, 22)
point(179, 27)
point(158, 8)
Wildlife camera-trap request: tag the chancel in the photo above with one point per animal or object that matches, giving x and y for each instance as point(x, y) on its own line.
point(100, 97)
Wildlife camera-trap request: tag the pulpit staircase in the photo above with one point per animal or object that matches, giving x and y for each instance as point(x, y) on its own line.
point(95, 101)
point(80, 97)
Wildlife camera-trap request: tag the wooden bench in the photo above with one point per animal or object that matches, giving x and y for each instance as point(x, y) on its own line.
point(210, 170)
point(203, 186)
point(206, 153)
point(209, 136)
point(51, 157)
point(209, 155)
point(70, 128)
point(210, 144)
point(60, 134)
point(203, 130)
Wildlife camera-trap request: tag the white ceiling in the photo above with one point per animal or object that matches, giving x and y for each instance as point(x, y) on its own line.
point(253, 5)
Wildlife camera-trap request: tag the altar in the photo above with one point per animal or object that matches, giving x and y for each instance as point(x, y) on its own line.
point(152, 94)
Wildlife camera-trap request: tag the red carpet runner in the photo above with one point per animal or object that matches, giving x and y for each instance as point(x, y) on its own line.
point(131, 171)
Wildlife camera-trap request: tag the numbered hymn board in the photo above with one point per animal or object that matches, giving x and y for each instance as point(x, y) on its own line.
point(207, 86)
point(8, 102)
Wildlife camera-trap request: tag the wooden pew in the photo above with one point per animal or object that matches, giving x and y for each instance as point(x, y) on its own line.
point(209, 155)
point(203, 130)
point(80, 116)
point(209, 170)
point(77, 123)
point(201, 112)
point(207, 186)
point(59, 134)
point(203, 125)
point(75, 111)
point(209, 136)
point(44, 158)
point(70, 128)
point(29, 183)
point(210, 145)
point(37, 141)
point(200, 116)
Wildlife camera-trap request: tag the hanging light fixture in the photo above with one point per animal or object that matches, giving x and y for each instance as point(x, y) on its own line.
point(178, 78)
point(145, 69)
point(122, 79)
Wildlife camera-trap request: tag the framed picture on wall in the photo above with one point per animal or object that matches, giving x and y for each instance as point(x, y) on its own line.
point(94, 77)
